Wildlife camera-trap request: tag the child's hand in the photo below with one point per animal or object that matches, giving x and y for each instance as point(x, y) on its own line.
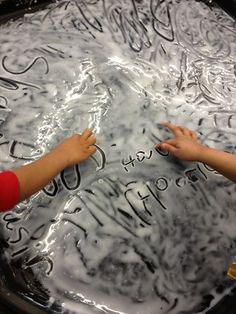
point(184, 145)
point(77, 148)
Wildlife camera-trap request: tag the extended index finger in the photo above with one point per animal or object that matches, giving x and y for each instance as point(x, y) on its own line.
point(171, 142)
point(87, 133)
point(173, 128)
point(91, 140)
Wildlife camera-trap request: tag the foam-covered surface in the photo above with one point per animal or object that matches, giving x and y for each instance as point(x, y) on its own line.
point(132, 230)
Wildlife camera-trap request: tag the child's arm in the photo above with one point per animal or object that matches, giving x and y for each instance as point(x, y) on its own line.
point(184, 146)
point(34, 176)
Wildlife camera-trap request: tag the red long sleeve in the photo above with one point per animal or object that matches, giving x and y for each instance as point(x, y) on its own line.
point(9, 190)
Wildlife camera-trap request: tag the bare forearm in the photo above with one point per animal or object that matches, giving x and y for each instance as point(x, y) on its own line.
point(222, 162)
point(34, 176)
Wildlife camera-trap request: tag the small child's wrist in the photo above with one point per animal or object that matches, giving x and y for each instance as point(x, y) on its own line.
point(203, 153)
point(61, 156)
